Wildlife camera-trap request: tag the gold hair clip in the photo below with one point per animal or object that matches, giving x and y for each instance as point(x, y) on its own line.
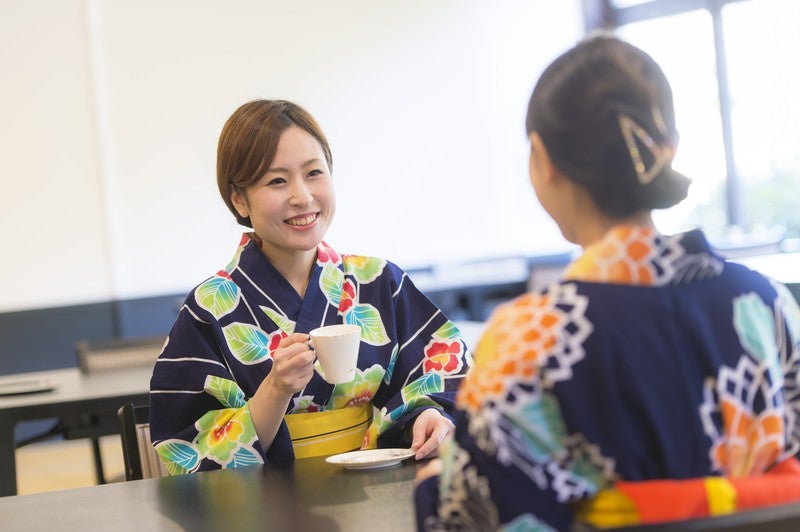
point(662, 155)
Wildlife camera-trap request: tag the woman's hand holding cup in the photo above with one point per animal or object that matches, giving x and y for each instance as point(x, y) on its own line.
point(292, 364)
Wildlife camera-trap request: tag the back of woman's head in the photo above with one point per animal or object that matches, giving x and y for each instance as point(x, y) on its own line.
point(604, 112)
point(249, 140)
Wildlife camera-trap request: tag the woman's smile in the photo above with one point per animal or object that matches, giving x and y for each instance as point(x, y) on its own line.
point(303, 221)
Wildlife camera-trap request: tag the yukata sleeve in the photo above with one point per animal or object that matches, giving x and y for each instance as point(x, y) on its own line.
point(789, 351)
point(199, 418)
point(514, 463)
point(479, 491)
point(428, 362)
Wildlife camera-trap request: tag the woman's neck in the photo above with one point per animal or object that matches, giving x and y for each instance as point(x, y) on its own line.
point(294, 266)
point(584, 223)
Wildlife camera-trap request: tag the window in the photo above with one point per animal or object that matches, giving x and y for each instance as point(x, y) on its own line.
point(761, 45)
point(730, 63)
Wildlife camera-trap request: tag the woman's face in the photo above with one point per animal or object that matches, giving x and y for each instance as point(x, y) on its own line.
point(292, 205)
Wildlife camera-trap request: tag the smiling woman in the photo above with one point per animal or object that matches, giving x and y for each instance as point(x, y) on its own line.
point(289, 202)
point(237, 382)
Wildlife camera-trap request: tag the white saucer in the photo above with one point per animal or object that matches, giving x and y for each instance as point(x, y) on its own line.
point(21, 387)
point(370, 459)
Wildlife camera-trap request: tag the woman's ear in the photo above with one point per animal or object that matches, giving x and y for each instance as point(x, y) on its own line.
point(540, 159)
point(239, 201)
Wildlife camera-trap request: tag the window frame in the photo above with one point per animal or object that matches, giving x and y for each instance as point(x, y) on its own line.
point(602, 15)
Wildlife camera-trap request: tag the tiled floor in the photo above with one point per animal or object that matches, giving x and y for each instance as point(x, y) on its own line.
point(58, 464)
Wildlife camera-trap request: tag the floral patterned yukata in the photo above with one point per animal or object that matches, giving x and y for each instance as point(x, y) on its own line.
point(653, 358)
point(411, 356)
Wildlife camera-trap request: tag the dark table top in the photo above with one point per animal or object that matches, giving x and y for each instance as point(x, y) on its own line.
point(309, 495)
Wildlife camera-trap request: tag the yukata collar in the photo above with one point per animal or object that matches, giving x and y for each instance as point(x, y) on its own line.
point(325, 253)
point(641, 256)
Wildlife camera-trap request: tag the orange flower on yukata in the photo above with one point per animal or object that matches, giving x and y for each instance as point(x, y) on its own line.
point(751, 444)
point(518, 335)
point(626, 258)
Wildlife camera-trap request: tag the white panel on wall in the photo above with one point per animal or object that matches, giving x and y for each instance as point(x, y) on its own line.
point(423, 103)
point(53, 235)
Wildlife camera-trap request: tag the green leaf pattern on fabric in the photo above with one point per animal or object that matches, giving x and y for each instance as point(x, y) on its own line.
point(387, 377)
point(248, 343)
point(385, 419)
point(543, 427)
point(363, 269)
point(405, 408)
point(304, 403)
point(330, 282)
point(381, 422)
point(226, 391)
point(369, 319)
point(179, 456)
point(585, 470)
point(245, 456)
point(428, 383)
point(283, 323)
point(526, 523)
point(755, 325)
point(218, 295)
point(234, 263)
point(447, 331)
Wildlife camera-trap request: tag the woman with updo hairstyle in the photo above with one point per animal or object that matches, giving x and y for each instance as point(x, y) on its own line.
point(605, 116)
point(655, 381)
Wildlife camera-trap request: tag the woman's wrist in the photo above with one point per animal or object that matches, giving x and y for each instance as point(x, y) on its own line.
point(267, 408)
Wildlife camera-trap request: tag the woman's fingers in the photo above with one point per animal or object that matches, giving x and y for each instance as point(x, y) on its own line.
point(429, 430)
point(294, 338)
point(293, 362)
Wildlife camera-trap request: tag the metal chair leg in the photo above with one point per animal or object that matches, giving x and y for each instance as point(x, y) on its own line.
point(98, 461)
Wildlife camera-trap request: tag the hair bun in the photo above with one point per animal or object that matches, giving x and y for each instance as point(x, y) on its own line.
point(667, 189)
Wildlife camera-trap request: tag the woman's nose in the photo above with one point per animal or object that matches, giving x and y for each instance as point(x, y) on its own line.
point(301, 194)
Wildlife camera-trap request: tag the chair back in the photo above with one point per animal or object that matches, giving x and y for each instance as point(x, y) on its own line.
point(141, 459)
point(118, 353)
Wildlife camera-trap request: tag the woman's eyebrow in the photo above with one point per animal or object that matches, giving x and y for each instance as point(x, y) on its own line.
point(309, 162)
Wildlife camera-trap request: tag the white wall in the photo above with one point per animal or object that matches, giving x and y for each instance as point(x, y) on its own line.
point(111, 111)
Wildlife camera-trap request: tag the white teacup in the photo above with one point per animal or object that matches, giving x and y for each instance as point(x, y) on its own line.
point(337, 351)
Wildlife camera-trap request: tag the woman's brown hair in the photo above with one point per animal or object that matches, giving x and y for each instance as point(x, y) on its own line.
point(580, 108)
point(248, 142)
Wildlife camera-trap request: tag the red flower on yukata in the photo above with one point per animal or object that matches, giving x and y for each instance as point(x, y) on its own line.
point(275, 339)
point(325, 253)
point(363, 397)
point(348, 297)
point(224, 275)
point(443, 356)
